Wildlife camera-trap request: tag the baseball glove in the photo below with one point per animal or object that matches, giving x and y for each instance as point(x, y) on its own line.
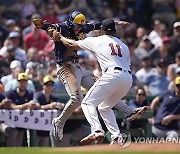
point(38, 23)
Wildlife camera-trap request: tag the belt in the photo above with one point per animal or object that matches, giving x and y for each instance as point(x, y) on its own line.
point(118, 68)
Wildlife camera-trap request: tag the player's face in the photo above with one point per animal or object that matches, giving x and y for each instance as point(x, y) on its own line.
point(101, 32)
point(76, 30)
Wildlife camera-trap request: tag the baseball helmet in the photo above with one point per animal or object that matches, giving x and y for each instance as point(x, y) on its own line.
point(77, 19)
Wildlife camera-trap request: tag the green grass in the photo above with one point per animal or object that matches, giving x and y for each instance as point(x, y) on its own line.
point(61, 151)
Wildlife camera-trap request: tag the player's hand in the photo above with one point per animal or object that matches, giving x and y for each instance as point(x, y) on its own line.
point(123, 23)
point(167, 119)
point(50, 31)
point(38, 23)
point(56, 36)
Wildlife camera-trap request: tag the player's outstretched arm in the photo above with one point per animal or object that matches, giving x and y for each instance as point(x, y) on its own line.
point(73, 45)
point(97, 26)
point(39, 23)
point(50, 28)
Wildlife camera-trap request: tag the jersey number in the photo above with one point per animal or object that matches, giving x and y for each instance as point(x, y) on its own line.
point(113, 50)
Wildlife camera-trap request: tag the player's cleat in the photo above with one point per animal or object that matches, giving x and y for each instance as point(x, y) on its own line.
point(58, 129)
point(98, 136)
point(117, 140)
point(137, 113)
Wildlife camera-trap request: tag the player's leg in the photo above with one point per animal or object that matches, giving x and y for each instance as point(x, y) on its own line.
point(92, 99)
point(98, 93)
point(123, 84)
point(87, 80)
point(70, 75)
point(130, 113)
point(123, 107)
point(107, 114)
point(103, 89)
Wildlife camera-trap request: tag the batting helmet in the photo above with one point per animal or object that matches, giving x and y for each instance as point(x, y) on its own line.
point(76, 18)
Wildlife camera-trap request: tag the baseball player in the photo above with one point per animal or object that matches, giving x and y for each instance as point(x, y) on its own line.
point(68, 69)
point(114, 59)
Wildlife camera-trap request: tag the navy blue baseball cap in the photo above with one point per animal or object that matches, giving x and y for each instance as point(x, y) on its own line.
point(108, 25)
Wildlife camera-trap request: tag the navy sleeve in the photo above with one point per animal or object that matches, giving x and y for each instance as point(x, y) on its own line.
point(47, 25)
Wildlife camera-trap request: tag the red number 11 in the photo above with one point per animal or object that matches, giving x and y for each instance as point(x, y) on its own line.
point(113, 50)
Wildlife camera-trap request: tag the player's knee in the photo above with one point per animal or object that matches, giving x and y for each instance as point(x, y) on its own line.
point(76, 100)
point(103, 108)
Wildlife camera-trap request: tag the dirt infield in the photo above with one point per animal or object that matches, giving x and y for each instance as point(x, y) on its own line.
point(131, 147)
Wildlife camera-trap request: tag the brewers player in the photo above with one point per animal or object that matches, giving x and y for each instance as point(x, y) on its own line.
point(114, 59)
point(68, 69)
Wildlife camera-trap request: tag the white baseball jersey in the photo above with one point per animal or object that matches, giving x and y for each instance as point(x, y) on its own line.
point(109, 50)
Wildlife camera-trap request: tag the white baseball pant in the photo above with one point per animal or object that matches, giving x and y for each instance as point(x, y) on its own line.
point(105, 94)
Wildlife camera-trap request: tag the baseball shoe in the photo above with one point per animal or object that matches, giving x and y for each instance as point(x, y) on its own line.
point(58, 129)
point(97, 136)
point(117, 140)
point(137, 113)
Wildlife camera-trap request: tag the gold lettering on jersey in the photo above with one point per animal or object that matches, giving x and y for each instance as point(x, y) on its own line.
point(80, 36)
